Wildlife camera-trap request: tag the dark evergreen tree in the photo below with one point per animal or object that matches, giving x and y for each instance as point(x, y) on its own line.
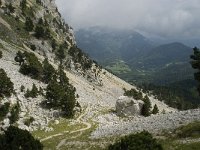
point(29, 24)
point(4, 109)
point(6, 86)
point(39, 32)
point(11, 8)
point(54, 44)
point(155, 109)
point(17, 139)
point(19, 58)
point(14, 113)
point(33, 93)
point(61, 53)
point(146, 107)
point(61, 95)
point(40, 22)
point(38, 2)
point(139, 141)
point(196, 65)
point(32, 67)
point(133, 93)
point(48, 71)
point(1, 54)
point(23, 5)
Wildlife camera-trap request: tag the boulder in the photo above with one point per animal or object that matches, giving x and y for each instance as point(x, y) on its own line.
point(127, 106)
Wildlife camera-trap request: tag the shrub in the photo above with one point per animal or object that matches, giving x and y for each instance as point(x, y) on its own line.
point(33, 47)
point(38, 2)
point(23, 5)
point(1, 54)
point(6, 86)
point(32, 67)
point(155, 109)
point(146, 107)
point(11, 8)
point(4, 109)
point(22, 88)
point(39, 32)
point(14, 113)
point(20, 58)
point(15, 139)
point(139, 141)
point(29, 24)
point(29, 121)
point(48, 71)
point(133, 93)
point(190, 130)
point(33, 93)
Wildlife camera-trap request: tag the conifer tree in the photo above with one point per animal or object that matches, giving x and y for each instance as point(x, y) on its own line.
point(196, 65)
point(146, 107)
point(29, 24)
point(48, 71)
point(1, 54)
point(6, 86)
point(155, 109)
point(23, 5)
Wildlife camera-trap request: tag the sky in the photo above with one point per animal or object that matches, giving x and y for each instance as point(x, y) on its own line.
point(162, 18)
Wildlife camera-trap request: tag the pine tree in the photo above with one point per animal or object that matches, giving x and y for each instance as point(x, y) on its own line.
point(19, 58)
point(29, 24)
point(11, 8)
point(1, 54)
point(39, 32)
point(155, 109)
point(33, 93)
point(146, 107)
point(61, 95)
point(16, 139)
point(23, 5)
point(6, 86)
point(48, 71)
point(196, 65)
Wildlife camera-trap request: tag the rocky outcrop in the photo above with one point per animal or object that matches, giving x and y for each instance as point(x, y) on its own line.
point(126, 106)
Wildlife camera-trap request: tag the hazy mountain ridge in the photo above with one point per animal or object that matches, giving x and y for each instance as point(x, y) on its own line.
point(96, 89)
point(140, 55)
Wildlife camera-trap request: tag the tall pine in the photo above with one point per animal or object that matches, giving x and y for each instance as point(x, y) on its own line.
point(196, 65)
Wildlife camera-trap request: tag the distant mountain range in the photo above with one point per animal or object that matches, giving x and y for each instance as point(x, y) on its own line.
point(135, 58)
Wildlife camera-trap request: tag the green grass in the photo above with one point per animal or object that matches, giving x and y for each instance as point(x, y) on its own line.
point(173, 141)
point(64, 125)
point(174, 144)
point(119, 67)
point(191, 130)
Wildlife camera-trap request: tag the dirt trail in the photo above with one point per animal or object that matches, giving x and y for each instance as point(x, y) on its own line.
point(88, 126)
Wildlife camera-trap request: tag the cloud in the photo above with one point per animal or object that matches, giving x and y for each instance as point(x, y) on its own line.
point(168, 18)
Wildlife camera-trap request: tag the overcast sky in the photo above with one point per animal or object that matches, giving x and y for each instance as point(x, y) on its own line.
point(166, 18)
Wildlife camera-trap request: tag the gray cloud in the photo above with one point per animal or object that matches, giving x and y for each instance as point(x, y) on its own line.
point(166, 18)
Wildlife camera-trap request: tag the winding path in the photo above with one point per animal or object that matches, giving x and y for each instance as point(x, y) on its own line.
point(88, 126)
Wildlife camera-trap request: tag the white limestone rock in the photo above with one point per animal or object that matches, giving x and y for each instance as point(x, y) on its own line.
point(126, 106)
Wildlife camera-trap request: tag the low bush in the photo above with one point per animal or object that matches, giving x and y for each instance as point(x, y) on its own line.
point(6, 86)
point(139, 141)
point(16, 139)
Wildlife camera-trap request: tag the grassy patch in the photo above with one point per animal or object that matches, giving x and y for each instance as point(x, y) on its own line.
point(119, 67)
point(64, 125)
point(190, 130)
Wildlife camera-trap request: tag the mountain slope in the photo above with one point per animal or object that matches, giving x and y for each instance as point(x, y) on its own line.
point(96, 89)
point(108, 45)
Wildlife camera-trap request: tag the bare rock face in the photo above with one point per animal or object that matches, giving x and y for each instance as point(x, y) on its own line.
point(126, 106)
